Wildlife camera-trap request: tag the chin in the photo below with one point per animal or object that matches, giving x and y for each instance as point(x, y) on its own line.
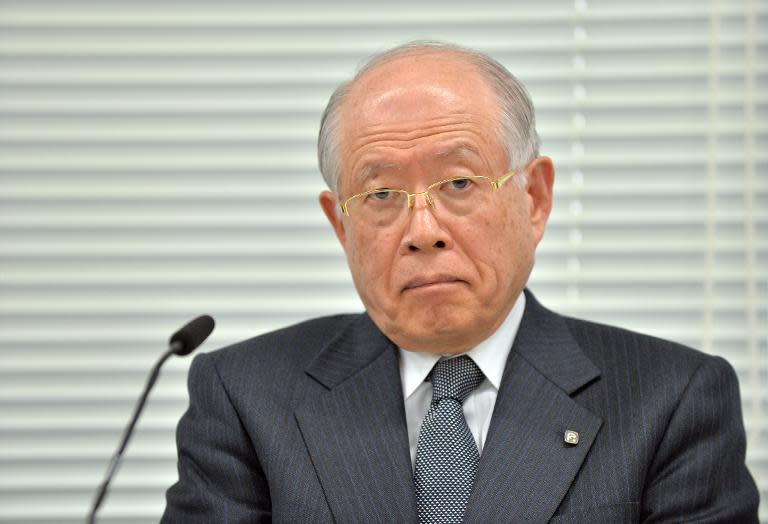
point(436, 329)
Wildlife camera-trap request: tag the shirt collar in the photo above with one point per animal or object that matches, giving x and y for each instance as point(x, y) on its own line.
point(490, 355)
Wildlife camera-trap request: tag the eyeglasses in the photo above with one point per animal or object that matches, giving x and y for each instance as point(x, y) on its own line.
point(458, 196)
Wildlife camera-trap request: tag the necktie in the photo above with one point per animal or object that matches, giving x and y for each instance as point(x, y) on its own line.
point(446, 454)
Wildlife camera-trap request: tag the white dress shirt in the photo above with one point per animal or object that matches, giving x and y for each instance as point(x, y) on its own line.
point(490, 356)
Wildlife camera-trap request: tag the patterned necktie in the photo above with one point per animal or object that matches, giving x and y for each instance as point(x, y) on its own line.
point(446, 455)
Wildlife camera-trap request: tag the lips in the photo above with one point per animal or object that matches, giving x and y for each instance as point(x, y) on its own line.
point(424, 281)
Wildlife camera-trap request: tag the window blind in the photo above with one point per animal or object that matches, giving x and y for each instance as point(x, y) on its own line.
point(157, 161)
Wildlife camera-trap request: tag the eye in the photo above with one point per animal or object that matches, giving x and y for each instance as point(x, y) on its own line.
point(459, 184)
point(381, 194)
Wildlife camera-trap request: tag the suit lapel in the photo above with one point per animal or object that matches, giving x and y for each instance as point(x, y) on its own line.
point(526, 467)
point(355, 431)
point(356, 435)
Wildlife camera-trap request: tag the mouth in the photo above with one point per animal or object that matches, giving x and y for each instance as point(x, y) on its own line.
point(431, 281)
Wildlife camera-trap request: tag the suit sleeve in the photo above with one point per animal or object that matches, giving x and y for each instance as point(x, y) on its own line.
point(698, 473)
point(220, 479)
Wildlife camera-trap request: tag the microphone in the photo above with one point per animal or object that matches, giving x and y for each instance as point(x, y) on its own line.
point(181, 343)
point(186, 340)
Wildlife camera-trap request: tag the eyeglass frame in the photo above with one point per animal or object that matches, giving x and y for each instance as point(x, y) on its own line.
point(411, 197)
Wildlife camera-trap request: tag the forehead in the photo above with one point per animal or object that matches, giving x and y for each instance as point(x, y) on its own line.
point(417, 107)
point(422, 84)
point(452, 151)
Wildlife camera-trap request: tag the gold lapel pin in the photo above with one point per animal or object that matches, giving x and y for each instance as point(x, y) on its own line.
point(571, 437)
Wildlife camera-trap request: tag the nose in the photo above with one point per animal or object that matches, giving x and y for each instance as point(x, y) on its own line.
point(424, 232)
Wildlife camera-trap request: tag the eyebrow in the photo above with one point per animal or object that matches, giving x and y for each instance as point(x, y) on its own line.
point(464, 151)
point(369, 169)
point(461, 151)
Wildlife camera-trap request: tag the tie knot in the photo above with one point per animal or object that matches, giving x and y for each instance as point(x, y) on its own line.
point(455, 378)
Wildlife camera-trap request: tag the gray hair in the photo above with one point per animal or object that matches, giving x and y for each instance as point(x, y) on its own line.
point(517, 122)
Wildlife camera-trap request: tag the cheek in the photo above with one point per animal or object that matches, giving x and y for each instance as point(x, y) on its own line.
point(370, 257)
point(501, 249)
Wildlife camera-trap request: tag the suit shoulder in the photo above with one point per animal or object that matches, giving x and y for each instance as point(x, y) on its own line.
point(656, 371)
point(296, 343)
point(604, 342)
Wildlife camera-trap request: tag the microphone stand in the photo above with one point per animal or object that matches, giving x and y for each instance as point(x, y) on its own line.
point(115, 461)
point(183, 342)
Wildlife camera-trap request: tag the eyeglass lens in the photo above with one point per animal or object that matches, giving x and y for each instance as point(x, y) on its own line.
point(458, 197)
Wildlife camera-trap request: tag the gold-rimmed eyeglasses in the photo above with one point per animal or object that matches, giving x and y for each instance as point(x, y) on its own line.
point(457, 195)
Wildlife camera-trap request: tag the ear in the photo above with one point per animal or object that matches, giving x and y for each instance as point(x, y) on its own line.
point(541, 177)
point(330, 205)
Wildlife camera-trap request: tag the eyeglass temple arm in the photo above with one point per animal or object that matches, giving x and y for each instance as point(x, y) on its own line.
point(500, 181)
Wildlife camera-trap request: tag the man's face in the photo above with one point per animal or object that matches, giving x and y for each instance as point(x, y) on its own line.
point(433, 281)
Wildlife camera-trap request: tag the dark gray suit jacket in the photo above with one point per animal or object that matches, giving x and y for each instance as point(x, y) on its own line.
point(307, 424)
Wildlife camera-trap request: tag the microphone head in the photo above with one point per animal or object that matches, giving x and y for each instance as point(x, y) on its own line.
point(186, 340)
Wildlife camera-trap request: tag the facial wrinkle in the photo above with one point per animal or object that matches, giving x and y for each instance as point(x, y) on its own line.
point(462, 148)
point(405, 135)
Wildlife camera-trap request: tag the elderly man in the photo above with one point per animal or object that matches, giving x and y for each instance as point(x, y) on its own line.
point(456, 396)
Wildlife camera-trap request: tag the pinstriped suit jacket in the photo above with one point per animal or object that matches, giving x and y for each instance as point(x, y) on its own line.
point(307, 424)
